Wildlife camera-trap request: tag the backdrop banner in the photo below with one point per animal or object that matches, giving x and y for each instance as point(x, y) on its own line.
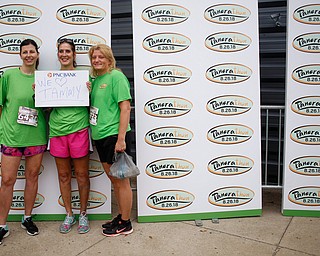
point(197, 111)
point(46, 22)
point(301, 191)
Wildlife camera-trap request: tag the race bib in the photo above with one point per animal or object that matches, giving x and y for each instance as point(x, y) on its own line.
point(93, 115)
point(27, 116)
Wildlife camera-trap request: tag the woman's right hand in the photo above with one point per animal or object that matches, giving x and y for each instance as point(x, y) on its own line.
point(88, 83)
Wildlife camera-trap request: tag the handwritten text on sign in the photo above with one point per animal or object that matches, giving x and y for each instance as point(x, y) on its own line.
point(61, 88)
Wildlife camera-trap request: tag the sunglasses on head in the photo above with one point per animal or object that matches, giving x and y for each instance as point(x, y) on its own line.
point(65, 40)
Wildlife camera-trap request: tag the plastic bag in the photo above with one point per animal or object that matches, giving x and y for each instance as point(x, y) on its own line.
point(123, 166)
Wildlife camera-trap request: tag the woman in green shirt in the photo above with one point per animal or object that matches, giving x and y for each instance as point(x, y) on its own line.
point(23, 133)
point(109, 122)
point(69, 142)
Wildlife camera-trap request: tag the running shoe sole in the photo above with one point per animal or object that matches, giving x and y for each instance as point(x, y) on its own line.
point(118, 234)
point(30, 234)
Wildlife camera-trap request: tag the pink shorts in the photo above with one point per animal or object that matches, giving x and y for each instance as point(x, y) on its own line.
point(23, 151)
point(74, 145)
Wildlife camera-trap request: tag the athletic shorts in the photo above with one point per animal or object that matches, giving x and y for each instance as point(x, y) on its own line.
point(23, 151)
point(74, 145)
point(105, 147)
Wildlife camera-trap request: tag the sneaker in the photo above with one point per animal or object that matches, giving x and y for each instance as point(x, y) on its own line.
point(68, 222)
point(123, 228)
point(31, 228)
point(4, 232)
point(83, 223)
point(111, 224)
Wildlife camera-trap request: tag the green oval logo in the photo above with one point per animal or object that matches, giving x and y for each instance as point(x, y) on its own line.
point(231, 196)
point(170, 200)
point(167, 107)
point(230, 134)
point(168, 136)
point(169, 168)
point(228, 42)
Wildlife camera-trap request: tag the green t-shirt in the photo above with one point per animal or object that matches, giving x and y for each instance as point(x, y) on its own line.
point(16, 91)
point(67, 120)
point(108, 91)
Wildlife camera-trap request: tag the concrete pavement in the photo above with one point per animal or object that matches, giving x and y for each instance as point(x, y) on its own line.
point(271, 234)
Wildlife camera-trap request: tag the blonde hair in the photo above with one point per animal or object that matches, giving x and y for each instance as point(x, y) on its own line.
point(107, 52)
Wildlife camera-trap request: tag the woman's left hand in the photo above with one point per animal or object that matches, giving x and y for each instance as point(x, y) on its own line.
point(120, 146)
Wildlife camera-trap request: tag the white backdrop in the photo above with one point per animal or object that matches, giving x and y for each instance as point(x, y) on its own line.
point(197, 109)
point(301, 192)
point(46, 22)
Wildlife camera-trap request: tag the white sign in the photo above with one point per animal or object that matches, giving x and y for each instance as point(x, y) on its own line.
point(61, 88)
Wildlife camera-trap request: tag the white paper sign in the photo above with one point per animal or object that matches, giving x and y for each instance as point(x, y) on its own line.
point(61, 88)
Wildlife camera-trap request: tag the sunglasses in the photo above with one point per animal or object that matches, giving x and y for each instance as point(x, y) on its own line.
point(65, 40)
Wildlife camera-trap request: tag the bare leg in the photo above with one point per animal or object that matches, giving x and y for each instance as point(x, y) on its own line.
point(9, 169)
point(81, 167)
point(33, 164)
point(123, 193)
point(64, 173)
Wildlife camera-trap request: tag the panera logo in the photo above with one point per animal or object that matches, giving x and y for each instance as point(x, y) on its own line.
point(307, 196)
point(228, 73)
point(166, 43)
point(80, 14)
point(227, 42)
point(230, 165)
point(308, 74)
point(10, 43)
point(18, 200)
point(19, 14)
point(306, 165)
point(169, 168)
point(307, 43)
point(308, 135)
point(167, 107)
point(308, 14)
point(165, 14)
point(168, 136)
point(227, 13)
point(167, 75)
point(308, 106)
point(84, 41)
point(230, 134)
point(95, 169)
point(95, 200)
point(229, 105)
point(231, 196)
point(170, 200)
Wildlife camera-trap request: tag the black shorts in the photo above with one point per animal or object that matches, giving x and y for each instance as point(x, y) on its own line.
point(105, 147)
